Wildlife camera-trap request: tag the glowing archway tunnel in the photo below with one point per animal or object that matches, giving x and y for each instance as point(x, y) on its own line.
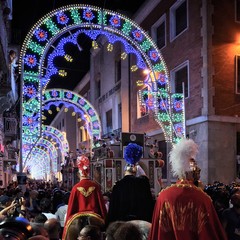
point(79, 105)
point(43, 157)
point(46, 41)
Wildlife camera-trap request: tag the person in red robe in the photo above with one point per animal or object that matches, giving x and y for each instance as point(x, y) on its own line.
point(184, 211)
point(86, 198)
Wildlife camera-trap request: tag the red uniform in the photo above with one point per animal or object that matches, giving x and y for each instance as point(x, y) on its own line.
point(85, 197)
point(184, 212)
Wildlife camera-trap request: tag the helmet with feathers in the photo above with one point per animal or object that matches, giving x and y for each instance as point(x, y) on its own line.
point(83, 165)
point(132, 155)
point(182, 155)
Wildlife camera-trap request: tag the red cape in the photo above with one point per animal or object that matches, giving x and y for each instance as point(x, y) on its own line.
point(86, 196)
point(184, 212)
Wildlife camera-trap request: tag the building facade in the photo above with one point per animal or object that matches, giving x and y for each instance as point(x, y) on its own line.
point(199, 41)
point(9, 96)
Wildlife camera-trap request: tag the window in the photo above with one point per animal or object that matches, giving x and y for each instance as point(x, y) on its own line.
point(119, 115)
point(238, 154)
point(159, 32)
point(237, 63)
point(118, 73)
point(109, 121)
point(178, 18)
point(237, 10)
point(180, 77)
point(142, 99)
point(98, 88)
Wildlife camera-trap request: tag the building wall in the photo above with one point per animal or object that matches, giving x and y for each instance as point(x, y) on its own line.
point(225, 48)
point(212, 110)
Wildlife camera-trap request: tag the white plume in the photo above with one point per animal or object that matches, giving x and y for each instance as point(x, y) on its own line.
point(180, 155)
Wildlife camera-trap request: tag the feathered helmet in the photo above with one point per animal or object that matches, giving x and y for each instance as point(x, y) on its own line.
point(182, 157)
point(83, 165)
point(132, 155)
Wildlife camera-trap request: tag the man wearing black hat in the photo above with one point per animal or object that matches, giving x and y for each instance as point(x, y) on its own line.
point(5, 201)
point(131, 197)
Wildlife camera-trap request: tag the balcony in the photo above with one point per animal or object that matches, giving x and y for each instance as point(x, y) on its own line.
point(10, 127)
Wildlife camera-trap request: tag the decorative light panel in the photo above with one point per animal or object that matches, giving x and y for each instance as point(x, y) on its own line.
point(92, 21)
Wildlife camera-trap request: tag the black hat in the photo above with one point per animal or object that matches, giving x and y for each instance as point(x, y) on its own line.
point(4, 199)
point(17, 227)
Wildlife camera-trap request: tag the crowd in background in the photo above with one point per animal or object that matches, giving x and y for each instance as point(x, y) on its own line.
point(44, 200)
point(131, 212)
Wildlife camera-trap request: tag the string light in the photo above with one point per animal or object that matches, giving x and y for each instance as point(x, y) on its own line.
point(109, 47)
point(62, 73)
point(134, 68)
point(123, 55)
point(68, 58)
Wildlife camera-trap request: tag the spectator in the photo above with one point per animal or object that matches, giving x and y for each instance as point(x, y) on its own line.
point(15, 228)
point(128, 231)
point(62, 210)
point(53, 228)
point(143, 226)
point(45, 205)
point(231, 218)
point(111, 229)
point(32, 203)
point(39, 230)
point(90, 232)
point(5, 201)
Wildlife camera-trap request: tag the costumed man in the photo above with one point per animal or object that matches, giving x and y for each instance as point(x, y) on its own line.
point(183, 211)
point(86, 199)
point(131, 197)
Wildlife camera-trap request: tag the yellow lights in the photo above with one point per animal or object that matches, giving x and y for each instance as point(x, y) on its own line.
point(58, 109)
point(65, 109)
point(62, 73)
point(94, 45)
point(146, 71)
point(68, 58)
point(79, 120)
point(109, 47)
point(134, 68)
point(50, 111)
point(43, 117)
point(73, 114)
point(140, 83)
point(87, 117)
point(123, 56)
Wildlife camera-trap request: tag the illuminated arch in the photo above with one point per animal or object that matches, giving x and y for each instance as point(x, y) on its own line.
point(79, 104)
point(39, 163)
point(58, 137)
point(36, 70)
point(50, 161)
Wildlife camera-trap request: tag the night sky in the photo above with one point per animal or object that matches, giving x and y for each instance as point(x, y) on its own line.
point(27, 12)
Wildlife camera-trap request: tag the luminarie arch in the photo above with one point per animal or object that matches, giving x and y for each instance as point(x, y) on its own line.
point(46, 40)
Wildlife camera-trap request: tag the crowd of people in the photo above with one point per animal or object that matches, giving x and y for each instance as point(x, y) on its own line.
point(186, 210)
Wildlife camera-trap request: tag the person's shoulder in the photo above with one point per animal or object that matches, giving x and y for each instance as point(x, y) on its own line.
point(143, 178)
point(228, 211)
point(94, 183)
